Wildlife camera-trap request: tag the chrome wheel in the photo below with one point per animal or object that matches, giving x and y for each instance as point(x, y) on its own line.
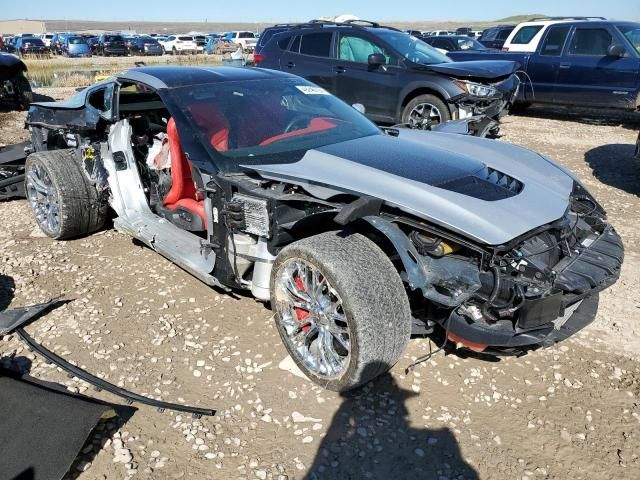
point(310, 313)
point(43, 198)
point(424, 115)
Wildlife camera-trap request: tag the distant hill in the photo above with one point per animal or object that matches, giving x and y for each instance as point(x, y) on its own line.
point(521, 18)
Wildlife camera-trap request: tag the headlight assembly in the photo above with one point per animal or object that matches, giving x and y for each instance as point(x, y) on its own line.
point(476, 89)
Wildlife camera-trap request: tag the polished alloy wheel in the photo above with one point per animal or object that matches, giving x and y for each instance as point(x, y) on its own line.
point(424, 115)
point(43, 198)
point(311, 314)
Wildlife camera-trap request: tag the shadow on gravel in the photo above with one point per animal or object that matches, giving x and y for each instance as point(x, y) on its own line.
point(612, 118)
point(370, 437)
point(615, 165)
point(7, 287)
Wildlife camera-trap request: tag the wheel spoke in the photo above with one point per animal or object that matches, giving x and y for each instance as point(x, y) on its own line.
point(319, 335)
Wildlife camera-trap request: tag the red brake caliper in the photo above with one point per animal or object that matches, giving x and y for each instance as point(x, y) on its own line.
point(301, 313)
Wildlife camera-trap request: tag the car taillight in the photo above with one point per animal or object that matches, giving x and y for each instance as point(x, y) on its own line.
point(258, 57)
point(505, 49)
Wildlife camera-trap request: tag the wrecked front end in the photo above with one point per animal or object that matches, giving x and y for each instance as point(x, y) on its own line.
point(534, 291)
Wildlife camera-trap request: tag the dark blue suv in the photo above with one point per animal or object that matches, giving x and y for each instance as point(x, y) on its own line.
point(582, 62)
point(396, 77)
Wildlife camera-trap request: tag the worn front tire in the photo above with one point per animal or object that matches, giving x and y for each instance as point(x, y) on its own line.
point(64, 202)
point(429, 103)
point(373, 303)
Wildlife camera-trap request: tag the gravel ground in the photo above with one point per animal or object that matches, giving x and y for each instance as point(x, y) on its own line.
point(572, 411)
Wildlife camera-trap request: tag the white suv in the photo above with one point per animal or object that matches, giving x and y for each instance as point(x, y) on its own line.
point(46, 38)
point(176, 44)
point(526, 36)
point(248, 40)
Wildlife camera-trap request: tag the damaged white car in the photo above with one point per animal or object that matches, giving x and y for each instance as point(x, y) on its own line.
point(258, 180)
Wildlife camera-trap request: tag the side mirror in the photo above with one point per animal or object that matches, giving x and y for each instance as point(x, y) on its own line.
point(359, 107)
point(377, 60)
point(616, 50)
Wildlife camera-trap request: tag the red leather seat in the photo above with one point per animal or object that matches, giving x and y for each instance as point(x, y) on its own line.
point(210, 120)
point(183, 190)
point(316, 125)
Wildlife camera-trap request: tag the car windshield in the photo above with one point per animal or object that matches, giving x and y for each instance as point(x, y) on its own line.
point(148, 40)
point(469, 44)
point(411, 48)
point(257, 119)
point(76, 41)
point(246, 35)
point(187, 39)
point(113, 38)
point(632, 33)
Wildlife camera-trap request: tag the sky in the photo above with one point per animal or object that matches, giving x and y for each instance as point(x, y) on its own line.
point(282, 10)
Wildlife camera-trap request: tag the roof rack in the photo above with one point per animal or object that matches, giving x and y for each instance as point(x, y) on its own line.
point(349, 23)
point(536, 19)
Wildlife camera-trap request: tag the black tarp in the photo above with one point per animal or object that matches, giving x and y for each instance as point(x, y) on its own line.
point(42, 427)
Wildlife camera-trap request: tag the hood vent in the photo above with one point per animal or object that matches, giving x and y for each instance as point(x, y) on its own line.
point(501, 179)
point(488, 184)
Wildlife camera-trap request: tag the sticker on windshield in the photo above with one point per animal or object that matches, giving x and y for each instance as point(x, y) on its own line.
point(312, 90)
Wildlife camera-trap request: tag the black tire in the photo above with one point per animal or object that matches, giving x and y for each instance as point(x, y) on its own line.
point(81, 208)
point(373, 299)
point(22, 87)
point(445, 114)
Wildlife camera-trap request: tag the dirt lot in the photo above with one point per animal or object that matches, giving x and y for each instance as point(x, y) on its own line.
point(570, 412)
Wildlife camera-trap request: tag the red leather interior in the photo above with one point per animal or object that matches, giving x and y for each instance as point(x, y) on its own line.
point(316, 125)
point(183, 190)
point(216, 127)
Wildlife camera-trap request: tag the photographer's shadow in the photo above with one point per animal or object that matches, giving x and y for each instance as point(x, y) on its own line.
point(370, 437)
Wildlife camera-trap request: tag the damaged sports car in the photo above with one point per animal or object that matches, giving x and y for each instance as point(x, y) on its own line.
point(258, 180)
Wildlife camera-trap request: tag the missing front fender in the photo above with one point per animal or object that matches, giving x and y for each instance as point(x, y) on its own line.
point(447, 281)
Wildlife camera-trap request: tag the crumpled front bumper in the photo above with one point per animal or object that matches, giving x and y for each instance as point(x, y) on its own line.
point(586, 275)
point(494, 107)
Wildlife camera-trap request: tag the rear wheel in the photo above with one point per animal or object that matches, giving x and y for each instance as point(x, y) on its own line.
point(424, 111)
point(63, 201)
point(340, 308)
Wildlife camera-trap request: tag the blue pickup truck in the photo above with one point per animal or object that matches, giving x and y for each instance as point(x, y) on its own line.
point(578, 63)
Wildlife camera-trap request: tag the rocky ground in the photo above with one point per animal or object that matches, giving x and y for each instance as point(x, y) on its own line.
point(572, 411)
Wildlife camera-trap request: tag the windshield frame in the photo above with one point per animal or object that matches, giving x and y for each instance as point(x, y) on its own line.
point(620, 27)
point(194, 139)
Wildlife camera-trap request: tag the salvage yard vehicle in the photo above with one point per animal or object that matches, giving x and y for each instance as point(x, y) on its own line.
point(179, 44)
point(109, 44)
point(587, 63)
point(526, 36)
point(495, 37)
point(258, 180)
point(248, 40)
point(220, 46)
point(76, 47)
point(31, 46)
point(145, 46)
point(14, 86)
point(398, 78)
point(455, 43)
